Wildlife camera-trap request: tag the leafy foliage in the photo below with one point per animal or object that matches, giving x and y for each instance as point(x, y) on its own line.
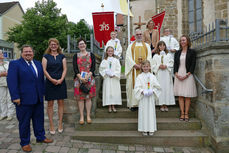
point(42, 22)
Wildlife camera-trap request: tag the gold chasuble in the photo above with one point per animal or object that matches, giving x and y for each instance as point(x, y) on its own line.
point(136, 53)
point(139, 54)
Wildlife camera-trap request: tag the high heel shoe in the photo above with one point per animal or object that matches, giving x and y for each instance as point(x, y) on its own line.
point(114, 110)
point(89, 121)
point(182, 118)
point(81, 122)
point(52, 132)
point(60, 130)
point(186, 118)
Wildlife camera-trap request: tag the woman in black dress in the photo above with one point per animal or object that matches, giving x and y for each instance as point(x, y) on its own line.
point(55, 68)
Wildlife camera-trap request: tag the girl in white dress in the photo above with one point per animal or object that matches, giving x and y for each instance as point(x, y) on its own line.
point(147, 89)
point(110, 70)
point(162, 65)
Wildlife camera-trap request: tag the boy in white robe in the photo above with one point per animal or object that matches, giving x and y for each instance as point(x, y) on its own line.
point(115, 43)
point(110, 70)
point(162, 65)
point(147, 89)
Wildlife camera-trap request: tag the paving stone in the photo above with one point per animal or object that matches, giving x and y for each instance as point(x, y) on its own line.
point(120, 152)
point(10, 126)
point(52, 149)
point(149, 148)
point(73, 150)
point(140, 148)
point(14, 146)
point(158, 149)
point(109, 151)
point(131, 148)
point(121, 147)
point(88, 145)
point(108, 147)
point(83, 150)
point(77, 145)
point(6, 140)
point(94, 151)
point(64, 150)
point(168, 150)
point(3, 150)
point(12, 151)
point(186, 150)
point(5, 145)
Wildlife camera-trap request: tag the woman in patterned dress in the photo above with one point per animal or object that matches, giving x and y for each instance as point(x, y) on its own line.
point(84, 67)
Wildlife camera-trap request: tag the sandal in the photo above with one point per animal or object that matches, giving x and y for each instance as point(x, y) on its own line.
point(186, 118)
point(182, 118)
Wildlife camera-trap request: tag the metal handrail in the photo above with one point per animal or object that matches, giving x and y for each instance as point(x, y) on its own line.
point(205, 90)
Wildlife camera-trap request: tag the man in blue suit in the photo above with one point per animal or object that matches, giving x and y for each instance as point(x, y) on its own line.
point(26, 85)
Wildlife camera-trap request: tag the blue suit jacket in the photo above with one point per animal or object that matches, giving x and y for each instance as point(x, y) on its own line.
point(23, 84)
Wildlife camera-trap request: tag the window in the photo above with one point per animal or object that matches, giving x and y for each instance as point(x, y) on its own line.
point(195, 15)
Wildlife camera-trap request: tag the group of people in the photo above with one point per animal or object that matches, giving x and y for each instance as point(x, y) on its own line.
point(149, 67)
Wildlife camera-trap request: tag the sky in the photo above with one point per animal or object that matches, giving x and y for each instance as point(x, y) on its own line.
point(74, 9)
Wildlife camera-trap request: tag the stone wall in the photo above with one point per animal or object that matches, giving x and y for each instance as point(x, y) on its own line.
point(221, 9)
point(170, 19)
point(213, 108)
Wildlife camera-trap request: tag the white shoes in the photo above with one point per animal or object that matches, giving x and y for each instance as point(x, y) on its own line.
point(162, 109)
point(2, 118)
point(52, 132)
point(60, 130)
point(9, 118)
point(147, 133)
point(151, 133)
point(144, 133)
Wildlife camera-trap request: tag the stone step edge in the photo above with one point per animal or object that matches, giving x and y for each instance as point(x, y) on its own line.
point(135, 120)
point(160, 133)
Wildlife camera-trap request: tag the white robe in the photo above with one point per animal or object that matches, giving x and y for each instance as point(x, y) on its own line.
point(129, 69)
point(111, 86)
point(164, 78)
point(171, 43)
point(146, 110)
point(117, 49)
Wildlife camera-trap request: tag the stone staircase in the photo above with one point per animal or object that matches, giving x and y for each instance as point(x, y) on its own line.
point(121, 127)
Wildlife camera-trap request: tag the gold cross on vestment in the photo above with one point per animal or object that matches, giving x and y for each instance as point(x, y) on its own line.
point(139, 24)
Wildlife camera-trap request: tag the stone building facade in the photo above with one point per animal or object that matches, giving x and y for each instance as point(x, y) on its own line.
point(10, 15)
point(182, 16)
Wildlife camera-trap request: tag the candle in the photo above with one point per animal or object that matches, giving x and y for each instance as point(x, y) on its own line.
point(148, 85)
point(116, 42)
point(110, 65)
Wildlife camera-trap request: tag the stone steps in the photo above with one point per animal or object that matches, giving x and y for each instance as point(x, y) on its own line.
point(126, 113)
point(131, 124)
point(121, 127)
point(179, 138)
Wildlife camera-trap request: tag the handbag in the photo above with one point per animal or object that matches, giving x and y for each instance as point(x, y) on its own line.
point(84, 89)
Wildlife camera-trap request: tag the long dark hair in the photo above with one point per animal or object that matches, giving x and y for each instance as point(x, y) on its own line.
point(158, 50)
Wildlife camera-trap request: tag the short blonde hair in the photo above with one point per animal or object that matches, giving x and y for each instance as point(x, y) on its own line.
point(144, 63)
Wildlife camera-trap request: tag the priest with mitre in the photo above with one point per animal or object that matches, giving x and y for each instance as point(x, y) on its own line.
point(136, 53)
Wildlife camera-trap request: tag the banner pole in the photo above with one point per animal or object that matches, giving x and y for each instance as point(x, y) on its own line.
point(128, 22)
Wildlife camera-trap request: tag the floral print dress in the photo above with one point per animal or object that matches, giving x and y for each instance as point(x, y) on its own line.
point(84, 65)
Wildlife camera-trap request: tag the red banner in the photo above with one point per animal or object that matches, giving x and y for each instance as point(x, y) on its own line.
point(103, 26)
point(158, 20)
